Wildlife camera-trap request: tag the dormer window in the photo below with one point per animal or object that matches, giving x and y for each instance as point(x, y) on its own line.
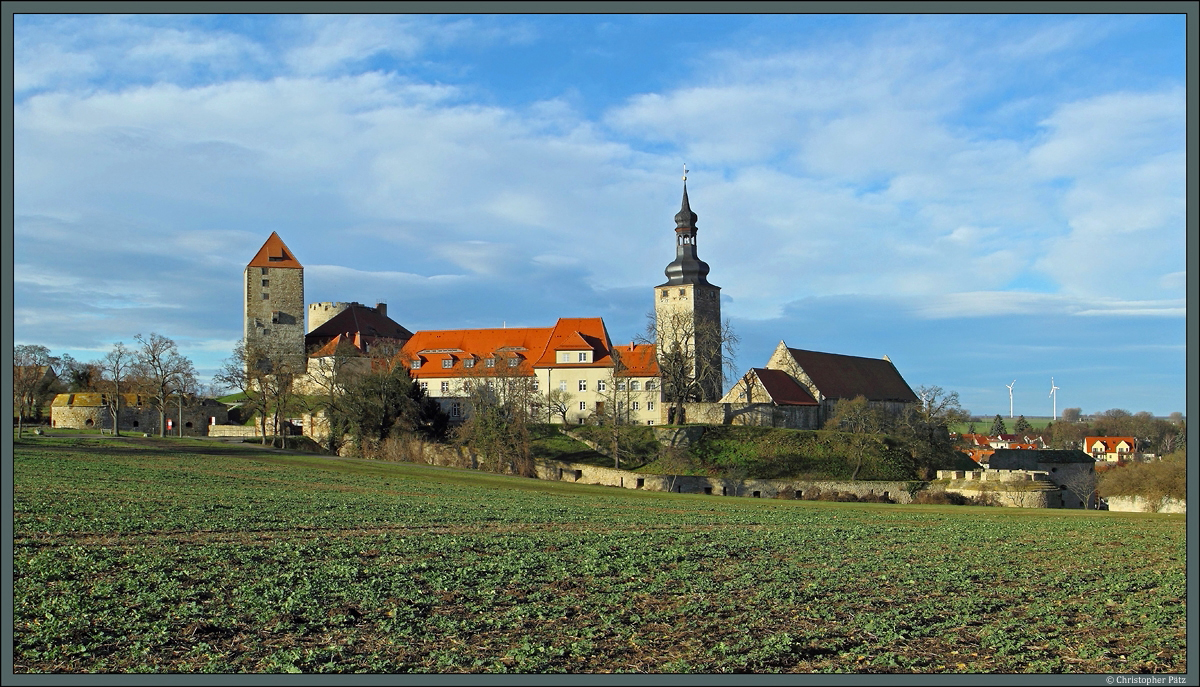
point(469, 362)
point(584, 356)
point(448, 363)
point(491, 362)
point(512, 362)
point(416, 364)
point(564, 356)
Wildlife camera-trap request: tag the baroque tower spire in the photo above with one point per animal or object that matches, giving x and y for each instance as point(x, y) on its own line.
point(686, 268)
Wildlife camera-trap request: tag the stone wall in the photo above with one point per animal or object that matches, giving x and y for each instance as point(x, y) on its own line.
point(1139, 504)
point(144, 418)
point(274, 313)
point(1008, 488)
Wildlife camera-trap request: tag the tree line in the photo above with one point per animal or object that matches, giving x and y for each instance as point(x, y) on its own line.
point(153, 367)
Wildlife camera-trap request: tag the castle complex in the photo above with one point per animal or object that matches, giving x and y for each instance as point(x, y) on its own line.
point(572, 369)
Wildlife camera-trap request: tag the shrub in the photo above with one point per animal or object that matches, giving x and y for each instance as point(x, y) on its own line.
point(1152, 481)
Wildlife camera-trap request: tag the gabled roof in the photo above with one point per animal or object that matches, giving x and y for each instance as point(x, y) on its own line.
point(1044, 455)
point(1109, 443)
point(782, 389)
point(333, 345)
point(848, 376)
point(577, 334)
point(360, 324)
point(274, 254)
point(638, 360)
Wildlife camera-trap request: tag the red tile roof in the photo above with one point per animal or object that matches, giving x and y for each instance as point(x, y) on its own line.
point(1109, 443)
point(639, 360)
point(848, 376)
point(782, 389)
point(360, 324)
point(274, 254)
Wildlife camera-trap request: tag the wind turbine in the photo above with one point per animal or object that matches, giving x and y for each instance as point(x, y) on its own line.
point(1054, 395)
point(1010, 386)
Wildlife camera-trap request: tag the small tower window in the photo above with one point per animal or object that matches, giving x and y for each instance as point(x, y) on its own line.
point(266, 295)
point(266, 283)
point(682, 292)
point(264, 271)
point(664, 294)
point(274, 317)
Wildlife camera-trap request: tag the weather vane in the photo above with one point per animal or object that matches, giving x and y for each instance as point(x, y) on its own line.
point(685, 171)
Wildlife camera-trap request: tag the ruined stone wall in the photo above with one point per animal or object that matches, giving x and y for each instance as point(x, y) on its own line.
point(138, 418)
point(754, 414)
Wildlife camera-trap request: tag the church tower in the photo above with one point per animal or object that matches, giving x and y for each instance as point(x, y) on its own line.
point(687, 310)
point(274, 315)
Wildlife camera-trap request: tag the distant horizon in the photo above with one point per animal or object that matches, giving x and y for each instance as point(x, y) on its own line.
point(979, 197)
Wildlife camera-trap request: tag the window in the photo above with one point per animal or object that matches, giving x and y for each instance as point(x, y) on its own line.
point(266, 332)
point(635, 386)
point(468, 362)
point(467, 386)
point(264, 271)
point(649, 422)
point(512, 362)
point(664, 294)
point(562, 385)
point(491, 362)
point(274, 317)
point(564, 357)
point(601, 385)
point(448, 362)
point(266, 295)
point(456, 409)
point(583, 405)
point(425, 387)
point(583, 357)
point(650, 385)
point(445, 387)
point(682, 292)
point(266, 283)
point(416, 364)
point(637, 405)
point(649, 405)
point(620, 406)
point(534, 385)
point(583, 385)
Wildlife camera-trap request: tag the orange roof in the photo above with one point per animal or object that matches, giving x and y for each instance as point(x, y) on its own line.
point(274, 254)
point(1109, 443)
point(532, 346)
point(330, 348)
point(638, 360)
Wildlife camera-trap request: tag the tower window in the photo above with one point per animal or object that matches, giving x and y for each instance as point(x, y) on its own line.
point(266, 332)
point(266, 295)
point(274, 317)
point(266, 283)
point(682, 292)
point(264, 271)
point(664, 294)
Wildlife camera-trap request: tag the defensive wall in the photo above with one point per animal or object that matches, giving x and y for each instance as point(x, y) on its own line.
point(1009, 488)
point(137, 414)
point(1141, 504)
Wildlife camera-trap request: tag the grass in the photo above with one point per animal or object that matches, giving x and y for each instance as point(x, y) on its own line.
point(146, 555)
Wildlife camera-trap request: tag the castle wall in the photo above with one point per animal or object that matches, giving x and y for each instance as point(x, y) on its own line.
point(320, 313)
point(139, 418)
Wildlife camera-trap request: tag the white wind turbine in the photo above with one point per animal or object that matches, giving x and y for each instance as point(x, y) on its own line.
point(1010, 386)
point(1054, 395)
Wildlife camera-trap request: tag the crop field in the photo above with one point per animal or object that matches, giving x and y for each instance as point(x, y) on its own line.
point(151, 555)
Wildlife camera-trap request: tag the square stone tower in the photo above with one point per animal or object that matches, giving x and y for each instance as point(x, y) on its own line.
point(687, 310)
point(274, 299)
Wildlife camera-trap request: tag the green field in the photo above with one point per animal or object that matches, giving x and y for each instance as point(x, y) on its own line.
point(186, 555)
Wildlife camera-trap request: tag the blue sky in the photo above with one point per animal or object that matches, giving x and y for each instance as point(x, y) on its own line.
point(981, 198)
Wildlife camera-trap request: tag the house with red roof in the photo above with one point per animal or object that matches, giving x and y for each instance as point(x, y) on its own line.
point(569, 372)
point(1111, 449)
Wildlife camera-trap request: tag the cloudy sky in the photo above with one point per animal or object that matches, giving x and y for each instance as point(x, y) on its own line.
point(981, 198)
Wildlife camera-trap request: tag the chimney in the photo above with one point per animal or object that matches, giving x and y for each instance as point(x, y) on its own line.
point(381, 308)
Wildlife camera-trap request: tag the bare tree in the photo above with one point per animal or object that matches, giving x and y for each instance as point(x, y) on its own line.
point(863, 426)
point(925, 428)
point(617, 393)
point(558, 403)
point(1082, 484)
point(330, 377)
point(244, 371)
point(31, 377)
point(694, 357)
point(117, 365)
point(164, 371)
point(501, 404)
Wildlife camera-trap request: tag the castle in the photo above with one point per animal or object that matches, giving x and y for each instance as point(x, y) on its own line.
point(572, 367)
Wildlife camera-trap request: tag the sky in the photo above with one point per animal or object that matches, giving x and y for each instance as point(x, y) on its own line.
point(981, 198)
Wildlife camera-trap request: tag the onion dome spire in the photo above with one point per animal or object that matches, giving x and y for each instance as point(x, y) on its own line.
point(686, 268)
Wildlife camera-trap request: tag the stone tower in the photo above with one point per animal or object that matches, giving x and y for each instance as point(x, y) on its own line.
point(687, 312)
point(274, 315)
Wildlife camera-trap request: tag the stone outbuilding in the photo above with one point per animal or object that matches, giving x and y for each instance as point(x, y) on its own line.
point(137, 413)
point(1072, 470)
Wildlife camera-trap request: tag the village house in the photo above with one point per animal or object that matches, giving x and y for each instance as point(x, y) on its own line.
point(1111, 449)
